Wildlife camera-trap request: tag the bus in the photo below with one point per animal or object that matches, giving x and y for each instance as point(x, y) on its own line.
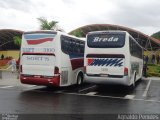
point(112, 57)
point(51, 58)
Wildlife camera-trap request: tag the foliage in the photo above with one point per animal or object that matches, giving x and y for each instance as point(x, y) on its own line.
point(156, 35)
point(4, 62)
point(2, 56)
point(78, 33)
point(17, 40)
point(153, 70)
point(46, 25)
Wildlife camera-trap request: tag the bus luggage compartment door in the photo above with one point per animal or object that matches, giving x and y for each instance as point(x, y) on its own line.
point(105, 66)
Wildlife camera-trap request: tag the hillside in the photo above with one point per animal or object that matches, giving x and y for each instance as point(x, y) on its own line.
point(156, 35)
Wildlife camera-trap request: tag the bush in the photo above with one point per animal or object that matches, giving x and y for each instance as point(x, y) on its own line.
point(153, 70)
point(3, 62)
point(150, 74)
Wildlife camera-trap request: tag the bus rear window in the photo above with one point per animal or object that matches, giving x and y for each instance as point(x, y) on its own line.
point(109, 40)
point(36, 38)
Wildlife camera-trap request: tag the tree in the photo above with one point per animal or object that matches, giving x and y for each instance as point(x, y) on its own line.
point(78, 33)
point(156, 35)
point(17, 40)
point(46, 25)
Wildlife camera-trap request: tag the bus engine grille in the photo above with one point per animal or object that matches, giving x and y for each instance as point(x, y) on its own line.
point(64, 77)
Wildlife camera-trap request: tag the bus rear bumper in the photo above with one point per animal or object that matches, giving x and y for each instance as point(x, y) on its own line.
point(107, 80)
point(55, 81)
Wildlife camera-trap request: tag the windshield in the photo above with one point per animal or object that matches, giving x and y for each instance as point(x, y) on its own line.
point(106, 40)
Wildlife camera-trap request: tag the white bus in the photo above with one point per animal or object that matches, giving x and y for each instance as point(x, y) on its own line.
point(112, 57)
point(51, 58)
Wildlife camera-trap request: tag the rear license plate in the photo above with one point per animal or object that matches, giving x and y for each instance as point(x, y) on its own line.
point(37, 76)
point(104, 69)
point(104, 75)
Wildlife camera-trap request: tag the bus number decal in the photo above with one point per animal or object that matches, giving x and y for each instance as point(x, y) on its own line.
point(37, 58)
point(49, 50)
point(42, 50)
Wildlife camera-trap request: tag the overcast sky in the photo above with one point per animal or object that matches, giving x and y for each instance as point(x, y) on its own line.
point(141, 15)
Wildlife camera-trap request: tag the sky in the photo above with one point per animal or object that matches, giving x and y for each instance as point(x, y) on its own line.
point(141, 15)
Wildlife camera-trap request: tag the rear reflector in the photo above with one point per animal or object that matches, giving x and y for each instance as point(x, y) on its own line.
point(125, 71)
point(89, 61)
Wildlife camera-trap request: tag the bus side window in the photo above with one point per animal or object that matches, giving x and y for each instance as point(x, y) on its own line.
point(65, 44)
point(134, 48)
point(82, 47)
point(72, 45)
point(78, 47)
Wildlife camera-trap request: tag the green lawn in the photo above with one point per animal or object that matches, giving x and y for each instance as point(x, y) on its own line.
point(153, 70)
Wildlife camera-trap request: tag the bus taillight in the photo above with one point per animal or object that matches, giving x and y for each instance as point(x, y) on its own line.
point(125, 71)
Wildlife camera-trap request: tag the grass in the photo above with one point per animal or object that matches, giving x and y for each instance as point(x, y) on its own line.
point(153, 70)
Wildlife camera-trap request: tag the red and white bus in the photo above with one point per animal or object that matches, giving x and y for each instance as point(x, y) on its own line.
point(51, 58)
point(112, 57)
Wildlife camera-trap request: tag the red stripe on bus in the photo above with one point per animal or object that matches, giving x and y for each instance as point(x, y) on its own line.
point(77, 63)
point(39, 41)
point(55, 81)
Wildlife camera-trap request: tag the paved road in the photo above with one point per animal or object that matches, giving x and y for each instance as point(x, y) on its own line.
point(85, 100)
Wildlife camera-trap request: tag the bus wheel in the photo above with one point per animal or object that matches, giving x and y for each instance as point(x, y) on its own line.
point(80, 79)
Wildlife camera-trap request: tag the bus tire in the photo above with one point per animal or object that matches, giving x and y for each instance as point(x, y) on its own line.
point(80, 79)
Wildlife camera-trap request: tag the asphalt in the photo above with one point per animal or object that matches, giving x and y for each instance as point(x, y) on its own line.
point(49, 102)
point(77, 102)
point(9, 78)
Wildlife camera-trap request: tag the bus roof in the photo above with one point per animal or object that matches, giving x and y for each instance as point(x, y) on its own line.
point(40, 31)
point(53, 32)
point(108, 31)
